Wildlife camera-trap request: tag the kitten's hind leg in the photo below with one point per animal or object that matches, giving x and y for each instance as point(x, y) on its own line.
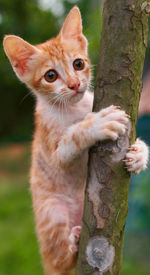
point(74, 238)
point(58, 250)
point(137, 157)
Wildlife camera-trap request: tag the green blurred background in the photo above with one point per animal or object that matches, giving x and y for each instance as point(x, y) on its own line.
point(37, 21)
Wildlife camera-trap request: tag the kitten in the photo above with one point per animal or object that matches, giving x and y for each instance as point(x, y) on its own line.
point(59, 72)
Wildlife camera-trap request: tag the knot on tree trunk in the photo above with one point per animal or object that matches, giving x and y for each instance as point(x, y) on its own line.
point(100, 254)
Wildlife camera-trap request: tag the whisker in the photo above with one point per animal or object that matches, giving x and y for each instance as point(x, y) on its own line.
point(56, 98)
point(22, 100)
point(93, 65)
point(65, 105)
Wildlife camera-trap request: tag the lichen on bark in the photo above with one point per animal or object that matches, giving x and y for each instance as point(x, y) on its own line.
point(122, 52)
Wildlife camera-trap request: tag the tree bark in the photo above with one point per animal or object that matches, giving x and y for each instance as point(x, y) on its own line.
point(122, 52)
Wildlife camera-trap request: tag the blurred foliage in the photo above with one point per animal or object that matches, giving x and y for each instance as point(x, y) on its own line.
point(26, 19)
point(36, 25)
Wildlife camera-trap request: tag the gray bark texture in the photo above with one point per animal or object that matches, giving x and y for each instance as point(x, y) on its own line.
point(122, 52)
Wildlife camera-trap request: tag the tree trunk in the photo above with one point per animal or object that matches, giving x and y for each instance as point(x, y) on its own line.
point(122, 51)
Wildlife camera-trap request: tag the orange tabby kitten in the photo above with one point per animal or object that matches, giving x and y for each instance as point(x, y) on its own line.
point(58, 73)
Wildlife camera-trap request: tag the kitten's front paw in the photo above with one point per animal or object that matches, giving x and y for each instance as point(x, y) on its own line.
point(137, 157)
point(110, 123)
point(74, 238)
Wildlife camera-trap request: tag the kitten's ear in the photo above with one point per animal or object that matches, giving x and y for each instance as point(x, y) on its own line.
point(72, 28)
point(20, 54)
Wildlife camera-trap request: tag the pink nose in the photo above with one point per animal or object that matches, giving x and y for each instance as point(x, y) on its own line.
point(74, 85)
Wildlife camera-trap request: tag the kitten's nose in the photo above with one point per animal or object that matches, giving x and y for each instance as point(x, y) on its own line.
point(74, 85)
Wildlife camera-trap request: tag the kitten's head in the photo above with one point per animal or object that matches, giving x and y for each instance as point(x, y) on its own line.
point(59, 69)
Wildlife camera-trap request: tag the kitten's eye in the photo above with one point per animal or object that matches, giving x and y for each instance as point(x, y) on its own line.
point(78, 64)
point(51, 76)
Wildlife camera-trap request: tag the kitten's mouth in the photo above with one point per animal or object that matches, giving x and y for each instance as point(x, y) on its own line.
point(77, 93)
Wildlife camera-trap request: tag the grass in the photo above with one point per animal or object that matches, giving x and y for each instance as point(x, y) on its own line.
point(19, 253)
point(136, 254)
point(19, 249)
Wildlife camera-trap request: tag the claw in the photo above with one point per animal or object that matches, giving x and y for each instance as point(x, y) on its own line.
point(134, 149)
point(128, 166)
point(73, 248)
point(135, 172)
point(117, 107)
point(129, 159)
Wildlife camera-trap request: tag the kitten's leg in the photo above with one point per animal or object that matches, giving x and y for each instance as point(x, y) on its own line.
point(109, 123)
point(137, 157)
point(58, 243)
point(74, 238)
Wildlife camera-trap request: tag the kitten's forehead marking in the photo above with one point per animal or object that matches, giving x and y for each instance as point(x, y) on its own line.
point(63, 66)
point(60, 57)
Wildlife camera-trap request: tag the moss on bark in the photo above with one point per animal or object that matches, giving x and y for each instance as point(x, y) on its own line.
point(122, 52)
